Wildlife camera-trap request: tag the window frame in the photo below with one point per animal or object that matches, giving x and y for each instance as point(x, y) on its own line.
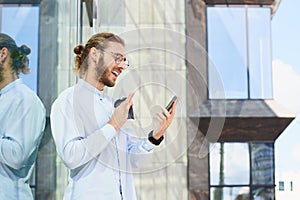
point(251, 185)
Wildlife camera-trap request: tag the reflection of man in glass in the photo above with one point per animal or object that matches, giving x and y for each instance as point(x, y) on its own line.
point(92, 136)
point(22, 120)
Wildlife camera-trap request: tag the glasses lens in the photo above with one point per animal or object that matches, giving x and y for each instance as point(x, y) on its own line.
point(119, 58)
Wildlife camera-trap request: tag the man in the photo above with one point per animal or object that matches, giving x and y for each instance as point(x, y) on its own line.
point(90, 134)
point(22, 121)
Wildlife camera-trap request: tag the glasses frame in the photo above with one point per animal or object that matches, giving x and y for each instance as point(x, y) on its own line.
point(119, 58)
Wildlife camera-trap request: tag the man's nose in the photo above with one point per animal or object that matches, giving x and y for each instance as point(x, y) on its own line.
point(122, 65)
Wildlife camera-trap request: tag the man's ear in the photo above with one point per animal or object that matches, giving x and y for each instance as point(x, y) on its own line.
point(95, 55)
point(3, 54)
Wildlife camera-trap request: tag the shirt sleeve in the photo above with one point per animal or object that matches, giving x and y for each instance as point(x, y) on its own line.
point(139, 150)
point(74, 145)
point(23, 132)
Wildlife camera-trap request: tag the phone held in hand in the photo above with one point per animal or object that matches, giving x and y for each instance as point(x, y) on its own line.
point(150, 135)
point(170, 104)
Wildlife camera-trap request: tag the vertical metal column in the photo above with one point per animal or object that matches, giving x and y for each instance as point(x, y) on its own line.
point(47, 91)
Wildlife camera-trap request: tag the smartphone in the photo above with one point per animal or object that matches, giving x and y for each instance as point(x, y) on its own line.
point(169, 106)
point(130, 111)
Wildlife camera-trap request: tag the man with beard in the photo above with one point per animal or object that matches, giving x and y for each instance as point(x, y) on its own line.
point(90, 134)
point(22, 120)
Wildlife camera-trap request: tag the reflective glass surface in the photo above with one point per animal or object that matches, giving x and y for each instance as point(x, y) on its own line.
point(259, 193)
point(229, 193)
point(226, 31)
point(24, 30)
point(260, 58)
point(239, 46)
point(262, 163)
point(229, 163)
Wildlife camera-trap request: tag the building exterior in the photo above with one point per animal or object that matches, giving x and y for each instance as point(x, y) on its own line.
point(214, 55)
point(237, 120)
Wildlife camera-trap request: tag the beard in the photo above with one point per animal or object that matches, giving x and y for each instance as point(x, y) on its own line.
point(105, 80)
point(103, 73)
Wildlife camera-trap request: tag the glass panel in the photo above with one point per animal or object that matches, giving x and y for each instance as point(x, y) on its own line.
point(68, 37)
point(260, 64)
point(262, 163)
point(22, 24)
point(25, 22)
point(227, 48)
point(114, 16)
point(229, 193)
point(263, 193)
point(229, 163)
point(226, 31)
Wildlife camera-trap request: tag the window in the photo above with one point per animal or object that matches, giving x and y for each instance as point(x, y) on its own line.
point(25, 27)
point(262, 163)
point(22, 23)
point(239, 47)
point(281, 186)
point(224, 159)
point(241, 171)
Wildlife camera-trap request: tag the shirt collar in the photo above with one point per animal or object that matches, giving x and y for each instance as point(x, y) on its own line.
point(10, 85)
point(91, 88)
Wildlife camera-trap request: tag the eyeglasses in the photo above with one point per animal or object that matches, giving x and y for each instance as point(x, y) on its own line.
point(119, 58)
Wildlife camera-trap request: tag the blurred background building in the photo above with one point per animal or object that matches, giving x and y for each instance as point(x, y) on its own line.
point(215, 55)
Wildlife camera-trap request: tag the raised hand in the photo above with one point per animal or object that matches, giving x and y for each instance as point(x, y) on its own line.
point(120, 115)
point(163, 121)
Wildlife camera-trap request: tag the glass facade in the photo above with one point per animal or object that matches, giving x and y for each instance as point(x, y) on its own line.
point(241, 171)
point(239, 45)
point(25, 29)
point(155, 35)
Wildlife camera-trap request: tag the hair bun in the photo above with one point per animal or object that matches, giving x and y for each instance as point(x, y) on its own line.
point(79, 49)
point(24, 49)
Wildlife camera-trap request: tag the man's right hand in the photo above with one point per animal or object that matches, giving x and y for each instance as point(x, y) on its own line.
point(120, 115)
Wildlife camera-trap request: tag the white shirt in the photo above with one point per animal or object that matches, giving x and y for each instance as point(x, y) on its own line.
point(22, 121)
point(99, 158)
